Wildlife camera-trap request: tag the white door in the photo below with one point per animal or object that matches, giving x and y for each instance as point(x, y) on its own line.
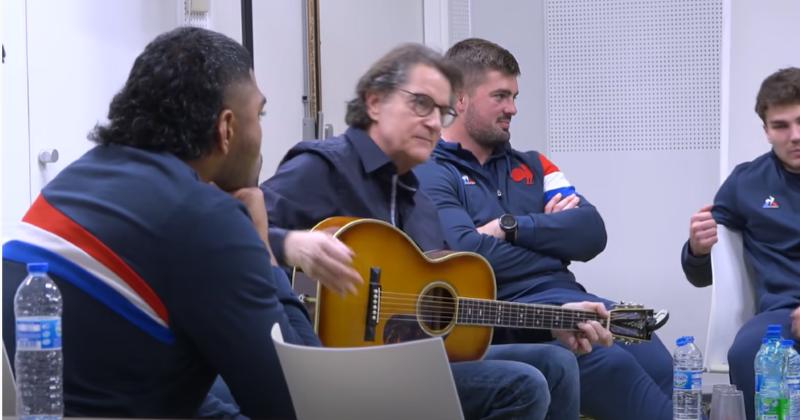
point(15, 168)
point(79, 56)
point(65, 61)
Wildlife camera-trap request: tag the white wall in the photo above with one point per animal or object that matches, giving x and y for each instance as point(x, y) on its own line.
point(278, 45)
point(353, 35)
point(763, 40)
point(634, 124)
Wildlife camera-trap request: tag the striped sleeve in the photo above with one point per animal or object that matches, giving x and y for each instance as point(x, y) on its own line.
point(554, 180)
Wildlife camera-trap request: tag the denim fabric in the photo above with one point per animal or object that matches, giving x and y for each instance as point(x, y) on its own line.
point(559, 367)
point(219, 403)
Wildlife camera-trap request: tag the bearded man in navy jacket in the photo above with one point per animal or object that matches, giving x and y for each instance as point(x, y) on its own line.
point(520, 212)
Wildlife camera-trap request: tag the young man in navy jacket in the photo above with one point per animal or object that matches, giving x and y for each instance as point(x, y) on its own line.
point(520, 212)
point(401, 104)
point(760, 199)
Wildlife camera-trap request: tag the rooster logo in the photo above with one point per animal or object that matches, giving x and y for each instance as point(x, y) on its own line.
point(522, 173)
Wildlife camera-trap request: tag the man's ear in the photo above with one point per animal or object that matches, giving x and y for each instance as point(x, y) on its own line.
point(373, 100)
point(461, 102)
point(224, 131)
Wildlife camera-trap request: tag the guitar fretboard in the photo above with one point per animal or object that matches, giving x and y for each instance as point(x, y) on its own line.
point(520, 315)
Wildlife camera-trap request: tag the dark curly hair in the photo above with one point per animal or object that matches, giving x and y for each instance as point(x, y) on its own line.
point(175, 92)
point(476, 56)
point(779, 88)
point(390, 72)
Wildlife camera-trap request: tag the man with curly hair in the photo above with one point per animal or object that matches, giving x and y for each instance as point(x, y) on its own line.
point(166, 284)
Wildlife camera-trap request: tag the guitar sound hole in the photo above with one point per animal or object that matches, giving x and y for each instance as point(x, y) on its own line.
point(436, 309)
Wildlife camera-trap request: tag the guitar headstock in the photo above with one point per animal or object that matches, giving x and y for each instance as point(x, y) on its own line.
point(631, 323)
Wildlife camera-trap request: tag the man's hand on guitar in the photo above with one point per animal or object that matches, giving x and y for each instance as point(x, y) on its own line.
point(324, 259)
point(591, 332)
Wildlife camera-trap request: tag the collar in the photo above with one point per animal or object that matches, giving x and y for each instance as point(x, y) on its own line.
point(374, 160)
point(779, 164)
point(455, 147)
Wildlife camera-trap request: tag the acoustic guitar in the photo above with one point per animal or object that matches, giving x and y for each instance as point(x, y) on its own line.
point(408, 294)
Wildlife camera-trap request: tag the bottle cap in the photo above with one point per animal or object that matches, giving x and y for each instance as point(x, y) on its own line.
point(773, 330)
point(686, 339)
point(38, 267)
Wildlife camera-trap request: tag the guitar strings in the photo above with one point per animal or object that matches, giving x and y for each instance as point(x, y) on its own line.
point(480, 311)
point(410, 301)
point(466, 310)
point(428, 320)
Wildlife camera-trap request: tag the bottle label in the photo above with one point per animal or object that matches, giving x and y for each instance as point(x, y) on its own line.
point(687, 379)
point(772, 408)
point(39, 333)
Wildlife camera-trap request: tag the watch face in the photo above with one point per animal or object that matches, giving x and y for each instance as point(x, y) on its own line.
point(508, 221)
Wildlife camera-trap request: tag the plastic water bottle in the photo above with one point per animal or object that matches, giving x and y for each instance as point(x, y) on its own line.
point(791, 379)
point(687, 380)
point(770, 401)
point(38, 361)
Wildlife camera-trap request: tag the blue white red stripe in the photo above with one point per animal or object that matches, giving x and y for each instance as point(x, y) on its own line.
point(554, 180)
point(78, 257)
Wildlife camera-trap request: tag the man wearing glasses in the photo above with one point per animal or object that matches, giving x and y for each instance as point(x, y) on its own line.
point(402, 102)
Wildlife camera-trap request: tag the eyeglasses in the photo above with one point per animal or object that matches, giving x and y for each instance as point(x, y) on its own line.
point(423, 105)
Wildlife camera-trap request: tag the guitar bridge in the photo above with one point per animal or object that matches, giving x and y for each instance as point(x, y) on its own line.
point(373, 304)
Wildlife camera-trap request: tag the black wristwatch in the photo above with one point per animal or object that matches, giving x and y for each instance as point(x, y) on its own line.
point(508, 223)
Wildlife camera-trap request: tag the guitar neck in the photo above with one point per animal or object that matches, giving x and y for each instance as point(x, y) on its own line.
point(492, 313)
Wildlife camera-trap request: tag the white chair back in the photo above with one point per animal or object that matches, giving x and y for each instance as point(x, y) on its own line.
point(733, 300)
point(403, 381)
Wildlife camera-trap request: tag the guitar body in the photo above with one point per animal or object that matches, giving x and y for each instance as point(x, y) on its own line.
point(408, 295)
point(408, 282)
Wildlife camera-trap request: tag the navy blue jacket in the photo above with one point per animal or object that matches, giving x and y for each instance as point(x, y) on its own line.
point(469, 195)
point(204, 295)
point(761, 199)
point(348, 175)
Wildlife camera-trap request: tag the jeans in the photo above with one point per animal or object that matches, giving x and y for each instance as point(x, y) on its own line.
point(742, 354)
point(511, 375)
point(219, 403)
point(514, 381)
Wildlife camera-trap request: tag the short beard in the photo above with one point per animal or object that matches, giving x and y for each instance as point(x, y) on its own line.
point(487, 135)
